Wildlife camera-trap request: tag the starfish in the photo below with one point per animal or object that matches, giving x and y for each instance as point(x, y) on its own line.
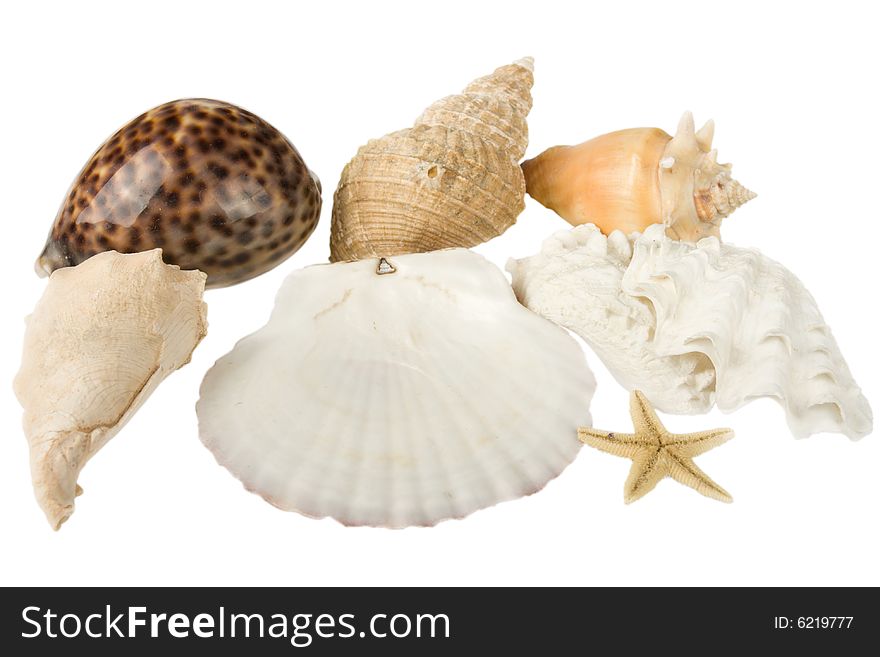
point(656, 453)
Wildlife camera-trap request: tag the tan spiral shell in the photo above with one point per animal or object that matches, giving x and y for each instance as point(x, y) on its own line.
point(451, 180)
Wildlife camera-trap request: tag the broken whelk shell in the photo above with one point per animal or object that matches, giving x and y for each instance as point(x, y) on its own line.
point(451, 180)
point(692, 325)
point(102, 337)
point(397, 392)
point(630, 179)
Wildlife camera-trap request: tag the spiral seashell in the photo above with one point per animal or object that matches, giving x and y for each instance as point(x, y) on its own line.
point(453, 179)
point(214, 186)
point(630, 179)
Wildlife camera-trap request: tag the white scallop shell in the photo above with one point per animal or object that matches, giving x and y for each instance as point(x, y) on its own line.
point(692, 325)
point(396, 398)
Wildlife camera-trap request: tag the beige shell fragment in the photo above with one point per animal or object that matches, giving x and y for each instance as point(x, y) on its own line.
point(102, 337)
point(451, 180)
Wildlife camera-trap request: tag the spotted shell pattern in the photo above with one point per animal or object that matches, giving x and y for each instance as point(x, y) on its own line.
point(214, 186)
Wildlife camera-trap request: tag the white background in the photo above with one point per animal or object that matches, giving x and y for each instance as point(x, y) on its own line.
point(793, 90)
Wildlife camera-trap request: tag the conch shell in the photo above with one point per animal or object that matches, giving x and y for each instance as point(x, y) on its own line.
point(102, 337)
point(451, 180)
point(630, 179)
point(692, 325)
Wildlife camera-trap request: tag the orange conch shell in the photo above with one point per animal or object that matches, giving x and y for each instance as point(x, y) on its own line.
point(630, 179)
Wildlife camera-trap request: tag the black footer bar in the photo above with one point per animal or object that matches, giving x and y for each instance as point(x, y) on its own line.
point(435, 621)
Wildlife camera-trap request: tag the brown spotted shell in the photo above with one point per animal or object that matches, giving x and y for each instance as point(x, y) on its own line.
point(214, 186)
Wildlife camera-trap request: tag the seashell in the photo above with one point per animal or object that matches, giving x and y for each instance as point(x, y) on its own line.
point(214, 186)
point(397, 392)
point(630, 179)
point(102, 337)
point(453, 179)
point(576, 282)
point(692, 325)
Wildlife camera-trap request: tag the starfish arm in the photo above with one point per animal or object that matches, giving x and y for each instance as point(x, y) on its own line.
point(686, 472)
point(644, 418)
point(647, 470)
point(690, 445)
point(626, 445)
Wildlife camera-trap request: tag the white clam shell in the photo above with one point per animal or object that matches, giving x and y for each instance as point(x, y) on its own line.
point(397, 399)
point(696, 324)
